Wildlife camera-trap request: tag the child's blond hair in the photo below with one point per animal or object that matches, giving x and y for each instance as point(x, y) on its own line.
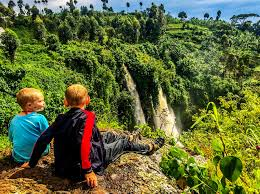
point(27, 95)
point(76, 95)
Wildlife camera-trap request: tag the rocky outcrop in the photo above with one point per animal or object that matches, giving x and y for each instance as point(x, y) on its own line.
point(131, 173)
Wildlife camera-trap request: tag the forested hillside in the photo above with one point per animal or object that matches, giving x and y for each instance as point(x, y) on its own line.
point(207, 69)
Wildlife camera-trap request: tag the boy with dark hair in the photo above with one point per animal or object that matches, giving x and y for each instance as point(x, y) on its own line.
point(26, 127)
point(79, 148)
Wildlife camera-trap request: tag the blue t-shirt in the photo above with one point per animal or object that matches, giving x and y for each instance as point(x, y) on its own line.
point(24, 132)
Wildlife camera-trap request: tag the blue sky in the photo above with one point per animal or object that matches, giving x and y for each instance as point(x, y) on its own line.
point(194, 8)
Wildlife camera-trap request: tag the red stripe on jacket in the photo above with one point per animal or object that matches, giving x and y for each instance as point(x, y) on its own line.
point(86, 140)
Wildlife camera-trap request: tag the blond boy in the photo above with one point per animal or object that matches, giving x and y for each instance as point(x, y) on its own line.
point(80, 150)
point(26, 127)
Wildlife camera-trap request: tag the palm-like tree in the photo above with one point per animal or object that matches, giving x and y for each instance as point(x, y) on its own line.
point(11, 4)
point(141, 5)
point(91, 7)
point(127, 5)
point(218, 15)
point(206, 16)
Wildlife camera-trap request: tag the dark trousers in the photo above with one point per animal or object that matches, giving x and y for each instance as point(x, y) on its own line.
point(115, 145)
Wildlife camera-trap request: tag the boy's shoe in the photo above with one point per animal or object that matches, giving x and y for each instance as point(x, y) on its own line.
point(135, 137)
point(156, 145)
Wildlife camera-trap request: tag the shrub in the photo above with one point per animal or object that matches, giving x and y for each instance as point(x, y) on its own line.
point(10, 42)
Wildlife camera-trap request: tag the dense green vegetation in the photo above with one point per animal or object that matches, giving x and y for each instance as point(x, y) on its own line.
point(194, 61)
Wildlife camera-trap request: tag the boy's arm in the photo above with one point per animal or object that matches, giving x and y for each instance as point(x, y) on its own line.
point(42, 143)
point(90, 176)
point(43, 126)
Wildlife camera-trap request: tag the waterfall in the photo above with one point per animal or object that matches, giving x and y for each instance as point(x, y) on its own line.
point(139, 114)
point(164, 117)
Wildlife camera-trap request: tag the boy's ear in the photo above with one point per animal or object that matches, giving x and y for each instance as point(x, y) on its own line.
point(87, 100)
point(66, 104)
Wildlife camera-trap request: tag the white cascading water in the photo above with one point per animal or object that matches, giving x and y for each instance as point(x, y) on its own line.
point(139, 114)
point(164, 117)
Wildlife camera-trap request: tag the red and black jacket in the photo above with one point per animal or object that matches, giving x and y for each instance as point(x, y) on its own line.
point(78, 145)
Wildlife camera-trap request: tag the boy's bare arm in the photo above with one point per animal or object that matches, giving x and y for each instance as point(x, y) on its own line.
point(91, 179)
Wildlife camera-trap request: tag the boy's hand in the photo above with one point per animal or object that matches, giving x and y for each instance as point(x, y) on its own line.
point(25, 165)
point(91, 179)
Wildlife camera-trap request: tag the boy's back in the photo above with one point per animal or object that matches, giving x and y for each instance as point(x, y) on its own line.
point(72, 135)
point(26, 127)
point(24, 131)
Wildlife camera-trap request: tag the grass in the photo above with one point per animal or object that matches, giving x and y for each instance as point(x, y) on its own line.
point(257, 68)
point(4, 142)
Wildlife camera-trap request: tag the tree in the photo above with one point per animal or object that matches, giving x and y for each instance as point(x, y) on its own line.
point(47, 11)
point(241, 18)
point(71, 5)
point(91, 7)
point(20, 5)
point(65, 32)
point(161, 7)
point(182, 15)
point(141, 5)
point(155, 22)
point(35, 11)
point(83, 10)
point(104, 4)
point(110, 9)
point(39, 29)
point(84, 28)
point(127, 5)
point(206, 16)
point(256, 28)
point(27, 7)
point(136, 30)
point(11, 4)
point(52, 42)
point(241, 21)
point(10, 42)
point(93, 31)
point(218, 15)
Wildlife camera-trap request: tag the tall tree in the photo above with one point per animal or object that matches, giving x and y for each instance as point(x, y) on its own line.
point(84, 28)
point(10, 42)
point(127, 5)
point(94, 28)
point(11, 4)
point(218, 15)
point(39, 29)
point(27, 7)
point(161, 7)
point(35, 11)
point(105, 2)
point(71, 5)
point(91, 7)
point(206, 16)
point(65, 32)
point(83, 10)
point(20, 5)
point(182, 15)
point(241, 18)
point(141, 5)
point(155, 22)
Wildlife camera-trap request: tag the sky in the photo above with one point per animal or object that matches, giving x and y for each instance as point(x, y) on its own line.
point(193, 8)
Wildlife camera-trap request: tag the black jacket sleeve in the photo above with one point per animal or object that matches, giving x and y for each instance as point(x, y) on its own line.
point(42, 143)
